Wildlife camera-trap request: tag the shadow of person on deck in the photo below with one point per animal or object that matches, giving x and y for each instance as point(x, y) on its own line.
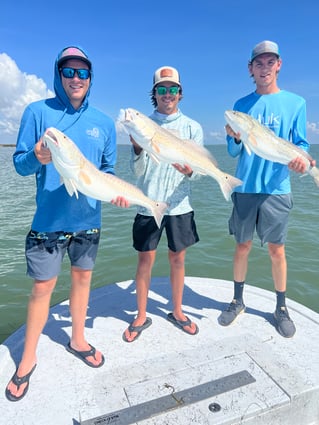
point(119, 301)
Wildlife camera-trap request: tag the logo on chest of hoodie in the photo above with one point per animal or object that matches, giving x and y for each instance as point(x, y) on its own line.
point(95, 132)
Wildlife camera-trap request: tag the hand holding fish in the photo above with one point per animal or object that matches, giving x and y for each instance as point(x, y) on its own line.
point(162, 145)
point(137, 148)
point(265, 143)
point(78, 174)
point(231, 133)
point(121, 202)
point(184, 169)
point(298, 165)
point(42, 153)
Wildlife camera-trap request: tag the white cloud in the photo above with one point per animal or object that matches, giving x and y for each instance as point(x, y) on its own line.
point(313, 127)
point(17, 89)
point(313, 132)
point(214, 137)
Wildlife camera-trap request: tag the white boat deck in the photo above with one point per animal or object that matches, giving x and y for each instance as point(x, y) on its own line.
point(242, 374)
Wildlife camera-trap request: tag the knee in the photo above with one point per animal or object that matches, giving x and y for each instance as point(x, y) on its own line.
point(41, 290)
point(176, 259)
point(277, 253)
point(146, 261)
point(243, 249)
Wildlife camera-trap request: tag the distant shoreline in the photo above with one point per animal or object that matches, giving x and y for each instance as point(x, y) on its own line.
point(7, 145)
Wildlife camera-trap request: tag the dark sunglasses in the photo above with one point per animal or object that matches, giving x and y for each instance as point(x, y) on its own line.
point(162, 90)
point(83, 74)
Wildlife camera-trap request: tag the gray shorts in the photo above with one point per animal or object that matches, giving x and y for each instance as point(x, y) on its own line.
point(268, 214)
point(180, 232)
point(45, 251)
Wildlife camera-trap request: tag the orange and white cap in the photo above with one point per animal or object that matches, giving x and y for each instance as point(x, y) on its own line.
point(166, 73)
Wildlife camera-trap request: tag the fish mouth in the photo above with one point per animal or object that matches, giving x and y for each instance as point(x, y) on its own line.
point(229, 115)
point(126, 115)
point(121, 115)
point(51, 136)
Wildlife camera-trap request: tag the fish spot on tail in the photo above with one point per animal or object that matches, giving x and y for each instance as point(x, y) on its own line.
point(158, 212)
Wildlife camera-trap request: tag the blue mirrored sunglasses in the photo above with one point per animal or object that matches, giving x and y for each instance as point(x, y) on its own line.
point(83, 74)
point(162, 90)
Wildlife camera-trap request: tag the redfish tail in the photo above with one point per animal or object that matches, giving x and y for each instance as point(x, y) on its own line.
point(228, 184)
point(314, 172)
point(158, 211)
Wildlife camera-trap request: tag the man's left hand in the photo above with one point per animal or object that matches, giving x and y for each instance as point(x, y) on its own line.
point(298, 165)
point(186, 169)
point(121, 202)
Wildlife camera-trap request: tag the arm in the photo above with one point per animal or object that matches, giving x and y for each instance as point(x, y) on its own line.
point(234, 144)
point(138, 159)
point(30, 153)
point(109, 153)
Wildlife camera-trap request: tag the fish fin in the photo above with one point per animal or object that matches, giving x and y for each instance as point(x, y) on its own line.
point(252, 140)
point(70, 187)
point(248, 150)
point(85, 177)
point(158, 212)
point(314, 172)
point(228, 184)
point(155, 146)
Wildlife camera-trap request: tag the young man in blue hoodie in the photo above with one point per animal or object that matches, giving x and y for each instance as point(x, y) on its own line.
point(62, 223)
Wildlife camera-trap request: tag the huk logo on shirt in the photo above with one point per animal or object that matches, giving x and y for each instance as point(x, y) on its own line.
point(93, 133)
point(272, 121)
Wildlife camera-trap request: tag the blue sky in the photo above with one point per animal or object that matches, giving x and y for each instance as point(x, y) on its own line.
point(208, 41)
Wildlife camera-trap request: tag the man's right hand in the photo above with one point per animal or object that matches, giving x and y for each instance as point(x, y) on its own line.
point(232, 134)
point(42, 153)
point(137, 148)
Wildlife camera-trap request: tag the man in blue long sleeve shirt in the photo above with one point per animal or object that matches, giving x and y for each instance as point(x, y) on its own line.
point(62, 223)
point(264, 200)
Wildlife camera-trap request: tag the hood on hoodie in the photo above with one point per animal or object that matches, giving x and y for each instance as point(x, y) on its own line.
point(70, 52)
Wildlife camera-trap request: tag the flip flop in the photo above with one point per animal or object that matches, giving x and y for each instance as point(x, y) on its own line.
point(138, 329)
point(180, 324)
point(82, 355)
point(18, 382)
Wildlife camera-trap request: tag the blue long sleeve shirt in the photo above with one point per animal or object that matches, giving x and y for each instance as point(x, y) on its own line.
point(162, 182)
point(92, 131)
point(285, 114)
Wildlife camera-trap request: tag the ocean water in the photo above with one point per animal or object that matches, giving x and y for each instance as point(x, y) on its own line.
point(212, 257)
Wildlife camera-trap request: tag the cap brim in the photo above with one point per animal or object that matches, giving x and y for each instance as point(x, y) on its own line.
point(65, 58)
point(262, 53)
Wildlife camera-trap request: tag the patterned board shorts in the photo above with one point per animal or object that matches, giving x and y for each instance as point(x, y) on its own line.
point(45, 251)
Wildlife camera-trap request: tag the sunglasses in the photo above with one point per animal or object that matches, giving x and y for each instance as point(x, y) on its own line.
point(162, 90)
point(83, 74)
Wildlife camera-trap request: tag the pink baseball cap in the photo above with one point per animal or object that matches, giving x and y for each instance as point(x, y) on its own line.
point(73, 53)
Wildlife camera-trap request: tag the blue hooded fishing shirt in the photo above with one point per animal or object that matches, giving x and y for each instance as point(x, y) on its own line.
point(162, 182)
point(285, 114)
point(94, 134)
